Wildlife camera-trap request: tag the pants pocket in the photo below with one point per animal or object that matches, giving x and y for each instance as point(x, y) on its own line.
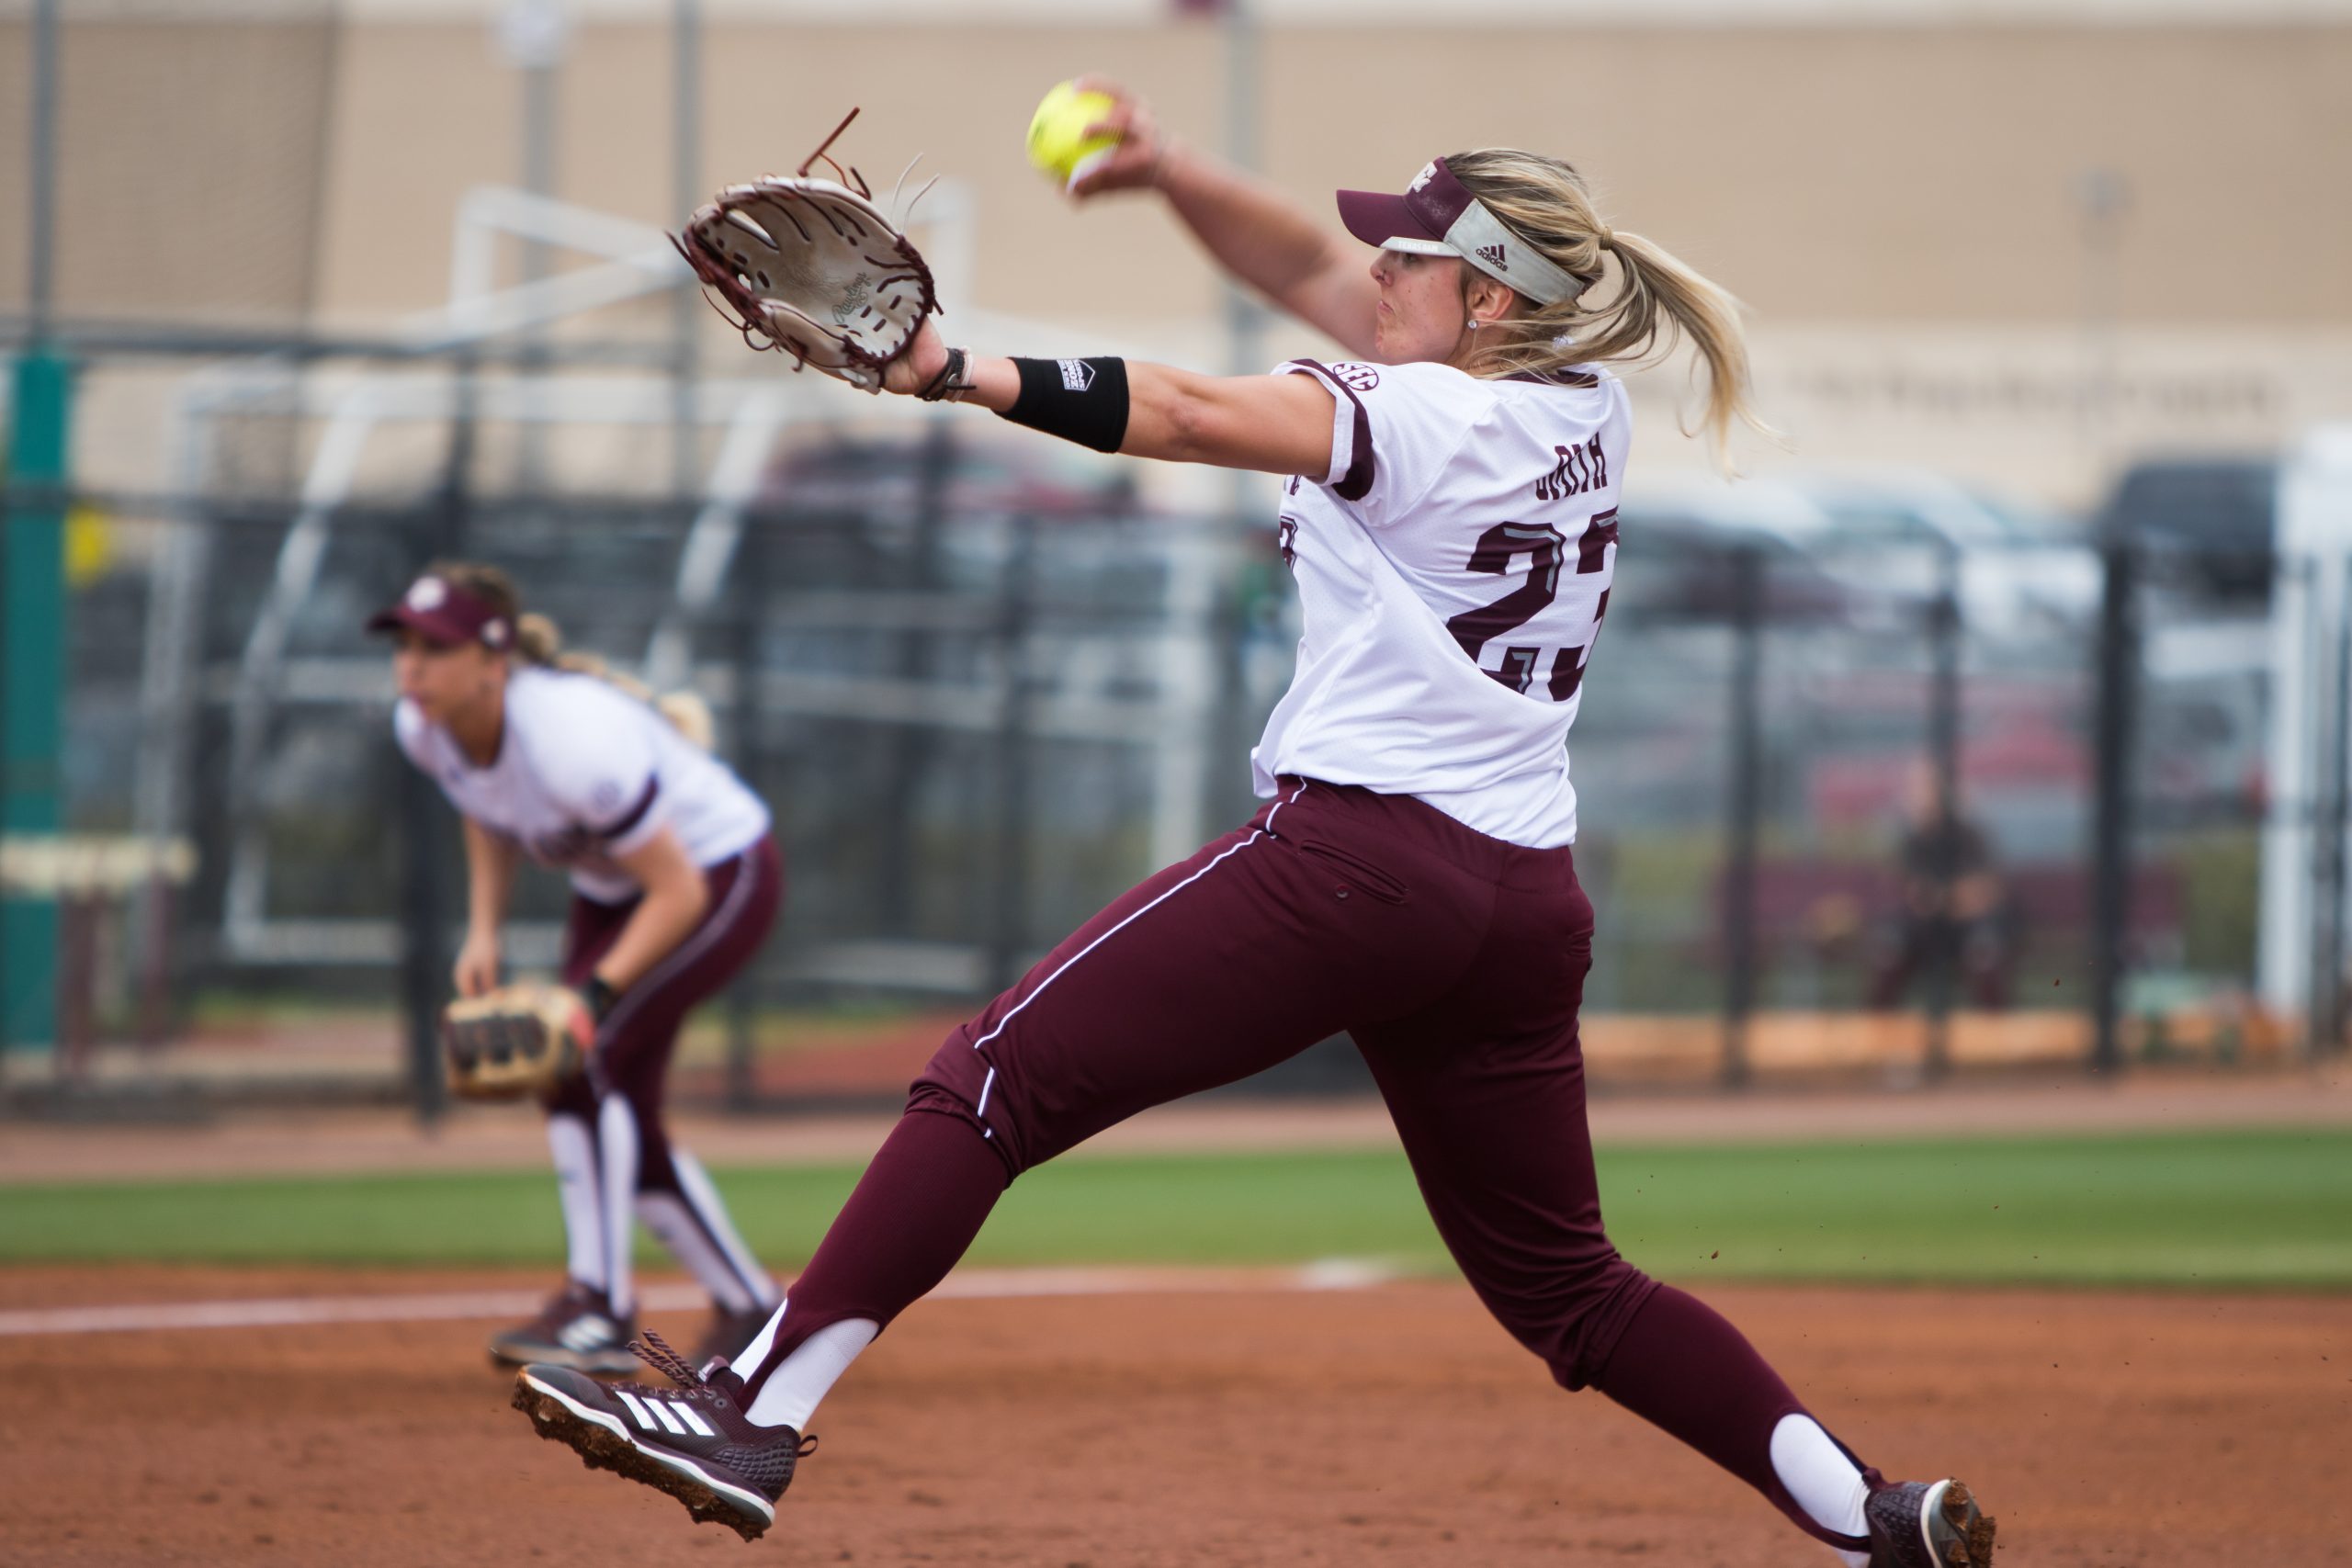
point(1355, 872)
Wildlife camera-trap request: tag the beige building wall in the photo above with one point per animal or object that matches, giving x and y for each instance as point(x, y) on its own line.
point(1900, 205)
point(1826, 173)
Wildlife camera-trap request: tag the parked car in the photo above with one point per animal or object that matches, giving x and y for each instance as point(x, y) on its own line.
point(1799, 539)
point(1880, 534)
point(2211, 522)
point(2022, 569)
point(1677, 560)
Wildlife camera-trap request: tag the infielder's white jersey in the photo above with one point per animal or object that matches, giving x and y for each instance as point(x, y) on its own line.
point(585, 773)
point(1452, 571)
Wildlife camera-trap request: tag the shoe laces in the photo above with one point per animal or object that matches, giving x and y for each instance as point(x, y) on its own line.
point(657, 1353)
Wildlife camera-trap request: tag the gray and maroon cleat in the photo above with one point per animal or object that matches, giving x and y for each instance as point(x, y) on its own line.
point(693, 1442)
point(577, 1329)
point(1925, 1524)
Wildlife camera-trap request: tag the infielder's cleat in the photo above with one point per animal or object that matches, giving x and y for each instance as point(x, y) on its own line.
point(693, 1442)
point(1926, 1524)
point(728, 1332)
point(577, 1329)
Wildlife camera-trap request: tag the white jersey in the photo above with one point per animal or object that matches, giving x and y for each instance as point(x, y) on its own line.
point(1453, 571)
point(587, 773)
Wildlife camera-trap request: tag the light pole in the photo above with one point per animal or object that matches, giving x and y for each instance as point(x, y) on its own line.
point(685, 194)
point(535, 35)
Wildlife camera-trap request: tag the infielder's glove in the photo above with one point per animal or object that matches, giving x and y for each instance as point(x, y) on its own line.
point(814, 268)
point(517, 1039)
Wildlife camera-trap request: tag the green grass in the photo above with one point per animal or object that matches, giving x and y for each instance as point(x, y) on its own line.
point(2258, 1209)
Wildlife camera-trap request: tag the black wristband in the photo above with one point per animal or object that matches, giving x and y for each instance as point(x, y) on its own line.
point(1083, 401)
point(600, 996)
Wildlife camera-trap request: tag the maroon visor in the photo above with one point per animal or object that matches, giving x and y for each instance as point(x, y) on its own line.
point(437, 609)
point(1437, 216)
point(1430, 207)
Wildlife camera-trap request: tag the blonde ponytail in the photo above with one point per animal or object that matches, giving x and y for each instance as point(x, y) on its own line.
point(689, 716)
point(1657, 300)
point(538, 641)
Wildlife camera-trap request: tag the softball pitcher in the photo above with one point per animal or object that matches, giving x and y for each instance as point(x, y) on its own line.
point(675, 881)
point(1452, 521)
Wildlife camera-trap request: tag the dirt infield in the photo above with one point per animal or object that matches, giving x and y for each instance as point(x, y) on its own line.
point(1393, 1424)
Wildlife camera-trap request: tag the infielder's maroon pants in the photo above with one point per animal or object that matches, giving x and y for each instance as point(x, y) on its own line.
point(1457, 962)
point(637, 1038)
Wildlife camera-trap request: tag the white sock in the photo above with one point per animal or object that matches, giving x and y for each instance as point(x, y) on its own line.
point(756, 1353)
point(809, 1372)
point(578, 1186)
point(1824, 1483)
point(616, 1143)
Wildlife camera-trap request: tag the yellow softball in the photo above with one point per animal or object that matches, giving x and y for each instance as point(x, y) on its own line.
point(1058, 144)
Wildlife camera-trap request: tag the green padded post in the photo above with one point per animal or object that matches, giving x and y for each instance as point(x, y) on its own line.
point(32, 683)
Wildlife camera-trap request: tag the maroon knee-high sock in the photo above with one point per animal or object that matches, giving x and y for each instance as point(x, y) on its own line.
point(1684, 1369)
point(914, 1213)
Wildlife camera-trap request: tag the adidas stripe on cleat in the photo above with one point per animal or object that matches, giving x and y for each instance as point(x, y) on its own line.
point(694, 1443)
point(577, 1329)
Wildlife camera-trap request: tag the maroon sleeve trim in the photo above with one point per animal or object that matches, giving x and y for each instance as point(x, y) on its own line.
point(635, 814)
point(1356, 483)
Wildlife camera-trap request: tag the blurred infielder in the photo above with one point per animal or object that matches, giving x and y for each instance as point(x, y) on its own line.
point(675, 881)
point(1451, 523)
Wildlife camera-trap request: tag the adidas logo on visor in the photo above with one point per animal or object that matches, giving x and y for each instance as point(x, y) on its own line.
point(1493, 256)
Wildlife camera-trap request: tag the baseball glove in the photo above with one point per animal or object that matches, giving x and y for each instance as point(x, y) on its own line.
point(517, 1039)
point(812, 267)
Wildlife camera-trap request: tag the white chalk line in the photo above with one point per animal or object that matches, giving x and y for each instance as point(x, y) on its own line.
point(977, 1284)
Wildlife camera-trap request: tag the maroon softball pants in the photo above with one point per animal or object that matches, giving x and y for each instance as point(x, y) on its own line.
point(1457, 962)
point(635, 1042)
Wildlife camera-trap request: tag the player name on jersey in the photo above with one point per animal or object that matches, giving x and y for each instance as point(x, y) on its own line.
point(1453, 568)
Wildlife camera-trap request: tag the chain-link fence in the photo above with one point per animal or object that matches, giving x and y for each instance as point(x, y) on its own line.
point(1842, 793)
point(979, 684)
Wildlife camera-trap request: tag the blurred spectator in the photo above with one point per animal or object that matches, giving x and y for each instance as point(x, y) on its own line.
point(1954, 906)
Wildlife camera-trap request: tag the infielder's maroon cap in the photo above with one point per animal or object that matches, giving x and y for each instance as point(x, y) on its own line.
point(436, 608)
point(1437, 216)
